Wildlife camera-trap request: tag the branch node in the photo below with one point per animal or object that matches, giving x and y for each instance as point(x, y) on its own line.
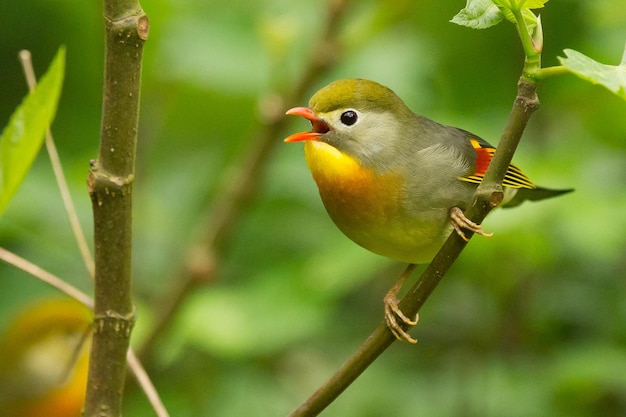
point(100, 182)
point(143, 27)
point(126, 29)
point(527, 96)
point(496, 198)
point(117, 323)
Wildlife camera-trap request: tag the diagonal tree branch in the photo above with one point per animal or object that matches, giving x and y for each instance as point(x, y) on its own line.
point(487, 196)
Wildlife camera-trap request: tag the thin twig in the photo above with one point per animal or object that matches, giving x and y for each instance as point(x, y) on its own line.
point(45, 276)
point(146, 384)
point(70, 209)
point(544, 73)
point(133, 363)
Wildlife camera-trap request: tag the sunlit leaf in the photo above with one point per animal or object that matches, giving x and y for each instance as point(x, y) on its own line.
point(482, 14)
point(525, 6)
point(612, 77)
point(529, 18)
point(520, 4)
point(23, 136)
point(535, 4)
point(478, 14)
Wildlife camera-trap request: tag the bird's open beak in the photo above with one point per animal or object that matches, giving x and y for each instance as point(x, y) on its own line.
point(319, 127)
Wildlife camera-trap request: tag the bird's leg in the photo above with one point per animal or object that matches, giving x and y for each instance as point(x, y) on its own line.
point(460, 222)
point(394, 317)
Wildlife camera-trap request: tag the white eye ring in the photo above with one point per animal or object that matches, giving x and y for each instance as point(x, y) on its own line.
point(349, 117)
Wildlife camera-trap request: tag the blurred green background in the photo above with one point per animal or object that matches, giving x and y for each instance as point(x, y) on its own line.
point(529, 323)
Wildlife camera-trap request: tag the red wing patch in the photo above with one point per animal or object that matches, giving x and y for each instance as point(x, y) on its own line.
point(514, 177)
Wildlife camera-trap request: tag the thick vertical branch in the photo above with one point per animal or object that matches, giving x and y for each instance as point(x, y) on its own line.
point(110, 187)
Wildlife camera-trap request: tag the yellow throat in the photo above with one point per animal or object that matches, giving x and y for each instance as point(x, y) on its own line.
point(356, 198)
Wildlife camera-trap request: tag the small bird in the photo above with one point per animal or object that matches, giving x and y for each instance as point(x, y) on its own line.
point(395, 182)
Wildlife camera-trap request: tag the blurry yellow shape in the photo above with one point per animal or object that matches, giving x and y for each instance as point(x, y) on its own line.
point(44, 357)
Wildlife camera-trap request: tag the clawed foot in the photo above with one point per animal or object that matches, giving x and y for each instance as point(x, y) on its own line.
point(460, 222)
point(395, 318)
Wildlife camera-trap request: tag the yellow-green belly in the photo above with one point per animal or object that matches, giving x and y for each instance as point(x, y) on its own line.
point(371, 208)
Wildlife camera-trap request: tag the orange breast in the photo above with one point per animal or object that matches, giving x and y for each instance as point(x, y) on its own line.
point(372, 208)
point(355, 197)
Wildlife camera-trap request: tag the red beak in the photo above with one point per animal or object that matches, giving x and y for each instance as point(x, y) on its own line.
point(319, 127)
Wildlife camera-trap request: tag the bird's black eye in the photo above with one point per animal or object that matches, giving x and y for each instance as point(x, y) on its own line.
point(349, 117)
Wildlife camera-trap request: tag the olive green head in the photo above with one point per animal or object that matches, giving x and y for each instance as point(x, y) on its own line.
point(356, 93)
point(362, 119)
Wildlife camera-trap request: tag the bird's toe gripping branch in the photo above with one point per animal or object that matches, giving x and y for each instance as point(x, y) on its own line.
point(460, 222)
point(394, 317)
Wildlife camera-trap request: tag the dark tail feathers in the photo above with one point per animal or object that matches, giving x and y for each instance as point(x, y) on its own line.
point(534, 194)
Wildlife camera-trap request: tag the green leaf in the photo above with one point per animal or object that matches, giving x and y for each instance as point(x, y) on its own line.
point(611, 77)
point(23, 136)
point(529, 18)
point(482, 14)
point(478, 14)
point(534, 4)
point(520, 4)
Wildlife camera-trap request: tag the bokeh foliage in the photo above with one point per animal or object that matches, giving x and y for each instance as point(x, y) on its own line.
point(529, 323)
